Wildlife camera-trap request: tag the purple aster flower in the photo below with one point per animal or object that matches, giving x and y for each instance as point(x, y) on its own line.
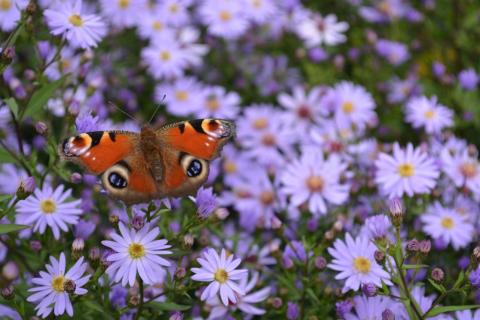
point(474, 278)
point(395, 52)
point(50, 294)
point(182, 97)
point(224, 19)
point(79, 28)
point(137, 252)
point(83, 229)
point(219, 103)
point(354, 260)
point(48, 207)
point(468, 79)
point(221, 272)
point(10, 178)
point(372, 307)
point(124, 13)
point(317, 30)
point(429, 114)
point(438, 68)
point(206, 202)
point(315, 180)
point(292, 311)
point(377, 227)
point(86, 123)
point(297, 252)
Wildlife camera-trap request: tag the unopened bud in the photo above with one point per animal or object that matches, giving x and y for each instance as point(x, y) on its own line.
point(138, 222)
point(277, 302)
point(329, 235)
point(379, 256)
point(10, 271)
point(31, 8)
point(396, 211)
point(425, 246)
point(41, 128)
point(94, 254)
point(8, 293)
point(180, 273)
point(221, 213)
point(78, 245)
point(35, 245)
point(134, 300)
point(387, 314)
point(7, 55)
point(413, 246)
point(320, 263)
point(177, 315)
point(437, 274)
point(369, 289)
point(476, 253)
point(69, 286)
point(26, 188)
point(76, 178)
point(188, 240)
point(287, 262)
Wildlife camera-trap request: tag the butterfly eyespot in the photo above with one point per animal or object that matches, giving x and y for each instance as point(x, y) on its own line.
point(194, 168)
point(117, 181)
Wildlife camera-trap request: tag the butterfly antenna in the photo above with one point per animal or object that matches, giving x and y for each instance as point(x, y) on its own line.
point(156, 109)
point(110, 103)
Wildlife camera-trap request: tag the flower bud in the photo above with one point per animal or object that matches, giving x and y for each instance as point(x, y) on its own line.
point(134, 300)
point(31, 8)
point(69, 286)
point(10, 271)
point(329, 235)
point(287, 262)
point(188, 240)
point(78, 245)
point(369, 289)
point(8, 293)
point(7, 55)
point(221, 213)
point(425, 246)
point(26, 188)
point(138, 222)
point(35, 245)
point(76, 178)
point(437, 274)
point(277, 302)
point(476, 253)
point(94, 254)
point(177, 315)
point(180, 272)
point(41, 128)
point(396, 211)
point(413, 246)
point(320, 263)
point(379, 256)
point(387, 314)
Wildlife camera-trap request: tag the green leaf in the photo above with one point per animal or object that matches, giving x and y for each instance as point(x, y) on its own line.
point(6, 228)
point(92, 305)
point(437, 286)
point(439, 310)
point(459, 281)
point(5, 197)
point(414, 266)
point(313, 295)
point(168, 306)
point(41, 96)
point(12, 104)
point(5, 156)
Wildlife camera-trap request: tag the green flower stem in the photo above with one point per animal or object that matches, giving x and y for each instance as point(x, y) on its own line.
point(140, 306)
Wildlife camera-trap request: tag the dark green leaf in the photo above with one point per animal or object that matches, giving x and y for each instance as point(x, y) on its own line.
point(439, 310)
point(168, 306)
point(12, 104)
point(5, 197)
point(41, 96)
point(92, 305)
point(313, 295)
point(459, 281)
point(5, 156)
point(440, 288)
point(6, 228)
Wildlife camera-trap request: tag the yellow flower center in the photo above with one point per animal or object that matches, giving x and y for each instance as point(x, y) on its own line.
point(260, 123)
point(430, 114)
point(5, 4)
point(257, 3)
point(165, 55)
point(347, 107)
point(267, 197)
point(48, 206)
point(406, 170)
point(213, 104)
point(181, 95)
point(230, 167)
point(136, 250)
point(315, 183)
point(76, 20)
point(123, 3)
point(173, 8)
point(58, 283)
point(157, 25)
point(221, 275)
point(225, 15)
point(468, 170)
point(448, 223)
point(362, 264)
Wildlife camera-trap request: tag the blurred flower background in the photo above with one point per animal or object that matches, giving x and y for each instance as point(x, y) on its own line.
point(351, 190)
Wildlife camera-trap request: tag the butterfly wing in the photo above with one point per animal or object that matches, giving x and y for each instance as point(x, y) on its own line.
point(117, 158)
point(187, 148)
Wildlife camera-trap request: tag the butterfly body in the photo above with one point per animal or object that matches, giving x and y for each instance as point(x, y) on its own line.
point(171, 161)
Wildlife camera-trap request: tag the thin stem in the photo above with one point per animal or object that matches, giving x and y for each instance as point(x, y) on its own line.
point(15, 156)
point(140, 306)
